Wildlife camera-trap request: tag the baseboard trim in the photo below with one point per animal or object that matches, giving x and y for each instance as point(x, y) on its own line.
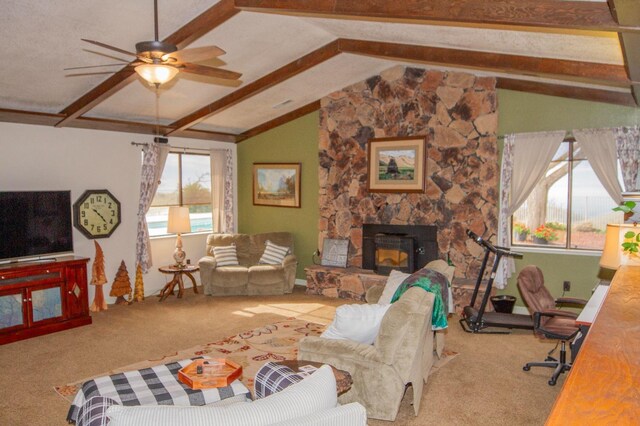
point(522, 310)
point(301, 282)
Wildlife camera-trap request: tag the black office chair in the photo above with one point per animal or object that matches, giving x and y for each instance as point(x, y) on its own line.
point(548, 321)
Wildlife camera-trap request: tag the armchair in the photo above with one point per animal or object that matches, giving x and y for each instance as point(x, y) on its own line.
point(401, 354)
point(549, 322)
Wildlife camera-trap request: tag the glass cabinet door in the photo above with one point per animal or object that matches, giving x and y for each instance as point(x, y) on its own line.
point(46, 303)
point(11, 311)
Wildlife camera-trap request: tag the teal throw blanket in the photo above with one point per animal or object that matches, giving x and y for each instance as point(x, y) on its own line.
point(439, 316)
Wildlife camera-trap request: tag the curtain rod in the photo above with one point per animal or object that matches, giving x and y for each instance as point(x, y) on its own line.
point(568, 138)
point(175, 147)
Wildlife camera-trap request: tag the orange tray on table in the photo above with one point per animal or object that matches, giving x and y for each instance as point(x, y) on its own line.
point(216, 373)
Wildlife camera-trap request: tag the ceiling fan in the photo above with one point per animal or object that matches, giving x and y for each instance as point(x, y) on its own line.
point(158, 62)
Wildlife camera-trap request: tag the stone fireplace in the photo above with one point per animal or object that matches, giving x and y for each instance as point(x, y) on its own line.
point(457, 113)
point(405, 248)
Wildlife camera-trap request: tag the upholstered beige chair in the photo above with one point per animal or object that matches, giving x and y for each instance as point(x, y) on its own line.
point(401, 354)
point(374, 293)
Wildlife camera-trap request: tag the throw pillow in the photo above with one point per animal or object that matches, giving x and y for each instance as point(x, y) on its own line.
point(273, 254)
point(225, 255)
point(393, 282)
point(314, 394)
point(359, 323)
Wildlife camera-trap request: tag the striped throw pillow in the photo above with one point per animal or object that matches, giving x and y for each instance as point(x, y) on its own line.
point(225, 255)
point(273, 254)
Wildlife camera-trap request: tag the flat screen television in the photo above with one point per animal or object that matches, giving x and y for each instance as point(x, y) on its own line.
point(35, 223)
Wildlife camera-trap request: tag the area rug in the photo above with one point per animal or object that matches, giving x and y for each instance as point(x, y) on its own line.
point(251, 349)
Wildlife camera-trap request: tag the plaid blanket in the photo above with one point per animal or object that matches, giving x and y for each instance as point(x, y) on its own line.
point(273, 377)
point(157, 385)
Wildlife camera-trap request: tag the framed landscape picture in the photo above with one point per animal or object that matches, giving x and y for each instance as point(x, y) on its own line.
point(276, 184)
point(397, 164)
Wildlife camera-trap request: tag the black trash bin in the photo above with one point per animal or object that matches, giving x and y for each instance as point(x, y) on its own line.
point(503, 303)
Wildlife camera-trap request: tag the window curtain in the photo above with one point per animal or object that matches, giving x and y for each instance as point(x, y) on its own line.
point(153, 160)
point(222, 190)
point(599, 146)
point(628, 145)
point(525, 159)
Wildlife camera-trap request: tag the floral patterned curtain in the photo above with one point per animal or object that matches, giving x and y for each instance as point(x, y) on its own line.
point(222, 190)
point(154, 158)
point(228, 193)
point(628, 145)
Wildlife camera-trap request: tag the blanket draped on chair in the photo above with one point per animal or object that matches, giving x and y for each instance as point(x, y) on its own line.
point(439, 316)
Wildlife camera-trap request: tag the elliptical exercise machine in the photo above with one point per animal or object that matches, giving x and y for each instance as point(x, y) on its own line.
point(476, 320)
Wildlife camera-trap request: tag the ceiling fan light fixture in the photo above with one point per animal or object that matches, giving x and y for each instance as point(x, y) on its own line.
point(156, 73)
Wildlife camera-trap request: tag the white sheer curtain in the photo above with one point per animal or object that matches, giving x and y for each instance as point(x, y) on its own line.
point(222, 190)
point(599, 146)
point(628, 144)
point(153, 160)
point(525, 159)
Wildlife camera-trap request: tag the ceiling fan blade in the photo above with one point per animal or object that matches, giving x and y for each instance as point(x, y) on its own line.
point(115, 58)
point(81, 74)
point(106, 46)
point(195, 54)
point(95, 66)
point(210, 72)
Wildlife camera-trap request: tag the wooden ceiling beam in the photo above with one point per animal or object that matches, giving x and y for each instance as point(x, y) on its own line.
point(278, 76)
point(28, 117)
point(279, 121)
point(589, 72)
point(580, 15)
point(627, 13)
point(197, 27)
point(93, 123)
point(565, 91)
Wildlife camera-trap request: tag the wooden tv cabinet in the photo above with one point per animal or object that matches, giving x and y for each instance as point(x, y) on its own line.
point(43, 297)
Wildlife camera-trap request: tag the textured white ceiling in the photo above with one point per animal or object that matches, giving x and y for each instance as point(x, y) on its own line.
point(595, 47)
point(40, 38)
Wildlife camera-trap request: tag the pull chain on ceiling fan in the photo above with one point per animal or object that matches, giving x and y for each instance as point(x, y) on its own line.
point(158, 62)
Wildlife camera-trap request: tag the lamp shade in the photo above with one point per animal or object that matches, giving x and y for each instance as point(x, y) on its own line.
point(178, 220)
point(613, 255)
point(156, 73)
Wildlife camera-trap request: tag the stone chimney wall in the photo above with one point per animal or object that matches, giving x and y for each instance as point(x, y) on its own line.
point(459, 113)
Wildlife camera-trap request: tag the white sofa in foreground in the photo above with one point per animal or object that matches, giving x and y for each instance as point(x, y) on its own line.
point(313, 401)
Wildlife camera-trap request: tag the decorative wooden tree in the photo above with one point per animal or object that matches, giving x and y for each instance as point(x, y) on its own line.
point(138, 292)
point(121, 285)
point(98, 279)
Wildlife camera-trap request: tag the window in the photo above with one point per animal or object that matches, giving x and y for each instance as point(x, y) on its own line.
point(186, 181)
point(568, 208)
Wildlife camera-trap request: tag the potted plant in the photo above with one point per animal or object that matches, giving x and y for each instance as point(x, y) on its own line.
point(544, 234)
point(521, 231)
point(631, 242)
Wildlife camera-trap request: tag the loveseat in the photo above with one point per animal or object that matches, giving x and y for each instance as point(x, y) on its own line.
point(249, 277)
point(401, 354)
point(310, 402)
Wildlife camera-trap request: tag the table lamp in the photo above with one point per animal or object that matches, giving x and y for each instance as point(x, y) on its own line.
point(613, 254)
point(178, 223)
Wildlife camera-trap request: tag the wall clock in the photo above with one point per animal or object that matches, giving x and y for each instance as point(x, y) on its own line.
point(96, 213)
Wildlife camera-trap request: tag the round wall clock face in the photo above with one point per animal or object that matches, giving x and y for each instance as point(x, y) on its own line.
point(96, 213)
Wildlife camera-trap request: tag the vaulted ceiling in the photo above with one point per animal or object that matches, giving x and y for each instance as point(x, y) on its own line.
point(291, 53)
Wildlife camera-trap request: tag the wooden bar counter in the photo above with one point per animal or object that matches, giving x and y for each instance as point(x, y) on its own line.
point(603, 386)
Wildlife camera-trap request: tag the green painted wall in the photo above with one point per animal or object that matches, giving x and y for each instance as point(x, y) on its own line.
point(521, 112)
point(294, 142)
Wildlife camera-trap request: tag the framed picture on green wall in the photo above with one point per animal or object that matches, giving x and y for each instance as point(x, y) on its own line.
point(276, 184)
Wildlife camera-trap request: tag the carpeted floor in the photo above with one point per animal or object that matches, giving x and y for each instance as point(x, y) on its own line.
point(483, 385)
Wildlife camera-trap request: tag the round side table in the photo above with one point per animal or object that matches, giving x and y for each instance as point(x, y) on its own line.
point(177, 272)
